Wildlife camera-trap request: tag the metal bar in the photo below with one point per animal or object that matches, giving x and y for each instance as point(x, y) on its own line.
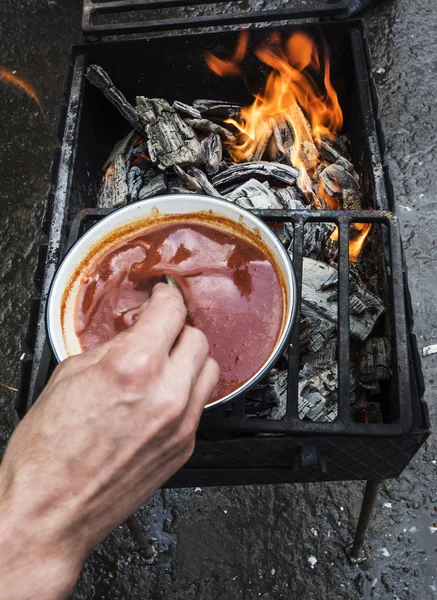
point(343, 324)
point(60, 208)
point(91, 8)
point(147, 549)
point(294, 349)
point(355, 552)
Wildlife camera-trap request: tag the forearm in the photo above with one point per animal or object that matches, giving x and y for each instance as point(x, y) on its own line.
point(36, 560)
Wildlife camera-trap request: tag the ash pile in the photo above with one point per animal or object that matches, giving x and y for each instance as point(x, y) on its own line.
point(204, 148)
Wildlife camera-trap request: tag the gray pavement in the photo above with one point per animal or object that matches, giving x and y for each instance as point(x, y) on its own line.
point(253, 542)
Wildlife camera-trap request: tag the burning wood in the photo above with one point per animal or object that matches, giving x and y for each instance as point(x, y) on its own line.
point(253, 194)
point(212, 153)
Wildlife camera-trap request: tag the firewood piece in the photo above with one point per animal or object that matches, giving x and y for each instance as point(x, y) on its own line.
point(98, 77)
point(318, 396)
point(338, 142)
point(291, 198)
point(264, 169)
point(113, 190)
point(327, 153)
point(207, 126)
point(155, 187)
point(218, 108)
point(188, 180)
point(186, 110)
point(170, 140)
point(204, 182)
point(316, 236)
point(324, 357)
point(254, 194)
point(261, 146)
point(134, 183)
point(319, 302)
point(308, 155)
point(341, 185)
point(212, 153)
point(314, 333)
point(375, 360)
point(275, 150)
point(180, 189)
point(286, 131)
point(120, 147)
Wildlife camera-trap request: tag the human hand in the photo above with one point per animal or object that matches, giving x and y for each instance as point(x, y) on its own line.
point(112, 425)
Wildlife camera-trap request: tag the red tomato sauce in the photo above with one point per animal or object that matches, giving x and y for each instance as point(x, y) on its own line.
point(232, 290)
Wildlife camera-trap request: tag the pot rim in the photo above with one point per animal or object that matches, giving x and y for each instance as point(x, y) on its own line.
point(288, 273)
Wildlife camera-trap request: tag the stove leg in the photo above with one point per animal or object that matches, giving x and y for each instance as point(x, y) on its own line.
point(148, 550)
point(355, 552)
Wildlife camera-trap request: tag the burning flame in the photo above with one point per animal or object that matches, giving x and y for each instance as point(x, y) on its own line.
point(298, 94)
point(229, 67)
point(8, 77)
point(356, 243)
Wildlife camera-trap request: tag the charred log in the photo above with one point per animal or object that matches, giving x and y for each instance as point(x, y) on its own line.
point(113, 190)
point(207, 126)
point(212, 153)
point(186, 110)
point(155, 187)
point(170, 140)
point(253, 194)
point(99, 78)
point(264, 169)
point(375, 360)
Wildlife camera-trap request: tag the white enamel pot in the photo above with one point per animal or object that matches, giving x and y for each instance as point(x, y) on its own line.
point(64, 291)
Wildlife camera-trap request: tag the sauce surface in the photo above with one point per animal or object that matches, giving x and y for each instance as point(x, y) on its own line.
point(231, 287)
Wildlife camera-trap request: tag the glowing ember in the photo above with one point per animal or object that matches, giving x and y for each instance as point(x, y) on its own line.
point(299, 93)
point(8, 77)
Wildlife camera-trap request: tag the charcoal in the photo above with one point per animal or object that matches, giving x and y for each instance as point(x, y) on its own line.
point(291, 198)
point(338, 143)
point(204, 182)
point(113, 190)
point(263, 398)
point(189, 181)
point(327, 153)
point(218, 108)
point(315, 333)
point(170, 140)
point(342, 186)
point(324, 357)
point(366, 412)
point(186, 110)
point(264, 169)
point(121, 147)
point(212, 153)
point(154, 187)
point(375, 360)
point(180, 189)
point(98, 77)
point(318, 396)
point(253, 194)
point(316, 236)
point(134, 183)
point(207, 126)
point(318, 301)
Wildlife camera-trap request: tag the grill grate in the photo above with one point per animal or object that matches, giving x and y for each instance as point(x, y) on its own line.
point(151, 20)
point(234, 419)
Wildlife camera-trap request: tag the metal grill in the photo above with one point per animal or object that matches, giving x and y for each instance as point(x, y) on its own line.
point(149, 19)
point(234, 419)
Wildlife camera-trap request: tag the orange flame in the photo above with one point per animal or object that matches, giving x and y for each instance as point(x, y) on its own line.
point(9, 77)
point(229, 67)
point(299, 93)
point(356, 244)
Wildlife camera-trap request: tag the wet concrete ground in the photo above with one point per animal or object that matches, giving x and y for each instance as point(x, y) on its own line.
point(254, 542)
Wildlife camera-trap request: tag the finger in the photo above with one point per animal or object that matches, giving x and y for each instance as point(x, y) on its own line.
point(158, 324)
point(189, 354)
point(203, 389)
